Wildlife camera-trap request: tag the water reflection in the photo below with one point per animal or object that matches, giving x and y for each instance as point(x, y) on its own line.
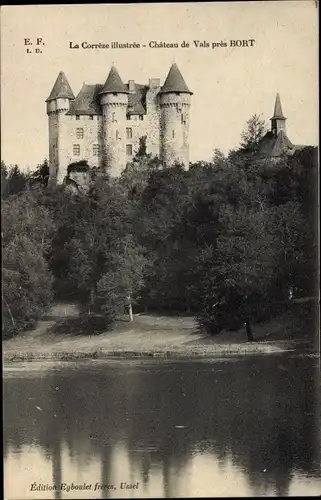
point(248, 427)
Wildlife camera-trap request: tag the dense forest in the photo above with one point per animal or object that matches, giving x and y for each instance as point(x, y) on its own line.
point(228, 241)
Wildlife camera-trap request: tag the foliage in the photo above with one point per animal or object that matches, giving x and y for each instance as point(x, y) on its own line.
point(142, 149)
point(26, 280)
point(253, 133)
point(136, 174)
point(245, 263)
point(94, 251)
point(13, 180)
point(266, 244)
point(41, 174)
point(224, 240)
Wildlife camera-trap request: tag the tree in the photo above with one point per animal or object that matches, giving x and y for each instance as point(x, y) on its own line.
point(121, 284)
point(296, 263)
point(101, 261)
point(22, 215)
point(142, 150)
point(219, 159)
point(253, 133)
point(41, 174)
point(26, 278)
point(237, 275)
point(136, 174)
point(4, 180)
point(158, 218)
point(13, 180)
point(26, 285)
point(264, 239)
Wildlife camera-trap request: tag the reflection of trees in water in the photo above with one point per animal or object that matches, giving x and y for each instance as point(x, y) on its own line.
point(264, 416)
point(56, 466)
point(106, 477)
point(146, 465)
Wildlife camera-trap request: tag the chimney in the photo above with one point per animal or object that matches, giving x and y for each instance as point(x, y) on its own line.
point(154, 83)
point(131, 85)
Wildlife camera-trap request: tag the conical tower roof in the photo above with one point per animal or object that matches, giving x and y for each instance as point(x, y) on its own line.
point(175, 82)
point(114, 83)
point(61, 89)
point(278, 113)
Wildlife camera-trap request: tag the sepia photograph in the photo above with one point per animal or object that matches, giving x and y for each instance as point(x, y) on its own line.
point(160, 250)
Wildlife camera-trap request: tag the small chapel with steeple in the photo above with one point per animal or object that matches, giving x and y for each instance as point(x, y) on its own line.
point(106, 124)
point(276, 143)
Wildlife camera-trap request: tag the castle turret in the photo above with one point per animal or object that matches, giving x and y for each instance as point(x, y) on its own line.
point(114, 101)
point(278, 119)
point(58, 104)
point(174, 100)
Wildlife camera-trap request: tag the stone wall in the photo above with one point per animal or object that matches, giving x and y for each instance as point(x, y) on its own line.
point(92, 136)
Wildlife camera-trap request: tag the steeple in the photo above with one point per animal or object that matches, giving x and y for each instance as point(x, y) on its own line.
point(61, 89)
point(278, 118)
point(175, 82)
point(114, 83)
point(278, 113)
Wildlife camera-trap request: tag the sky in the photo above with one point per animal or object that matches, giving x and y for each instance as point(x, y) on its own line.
point(229, 84)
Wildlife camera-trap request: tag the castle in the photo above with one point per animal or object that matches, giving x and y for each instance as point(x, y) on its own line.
point(105, 125)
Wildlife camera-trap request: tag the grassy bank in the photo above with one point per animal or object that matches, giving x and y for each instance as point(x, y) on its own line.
point(63, 336)
point(205, 351)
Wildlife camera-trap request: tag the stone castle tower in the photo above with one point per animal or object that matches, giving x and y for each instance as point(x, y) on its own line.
point(104, 125)
point(175, 101)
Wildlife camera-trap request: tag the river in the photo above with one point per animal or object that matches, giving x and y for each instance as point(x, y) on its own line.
point(245, 426)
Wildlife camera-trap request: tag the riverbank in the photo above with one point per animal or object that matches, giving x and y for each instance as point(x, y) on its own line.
point(147, 336)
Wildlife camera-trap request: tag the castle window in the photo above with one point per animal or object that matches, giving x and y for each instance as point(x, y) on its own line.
point(91, 117)
point(77, 117)
point(183, 119)
point(96, 150)
point(115, 93)
point(117, 134)
point(129, 150)
point(129, 133)
point(141, 117)
point(173, 133)
point(79, 133)
point(113, 117)
point(76, 150)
